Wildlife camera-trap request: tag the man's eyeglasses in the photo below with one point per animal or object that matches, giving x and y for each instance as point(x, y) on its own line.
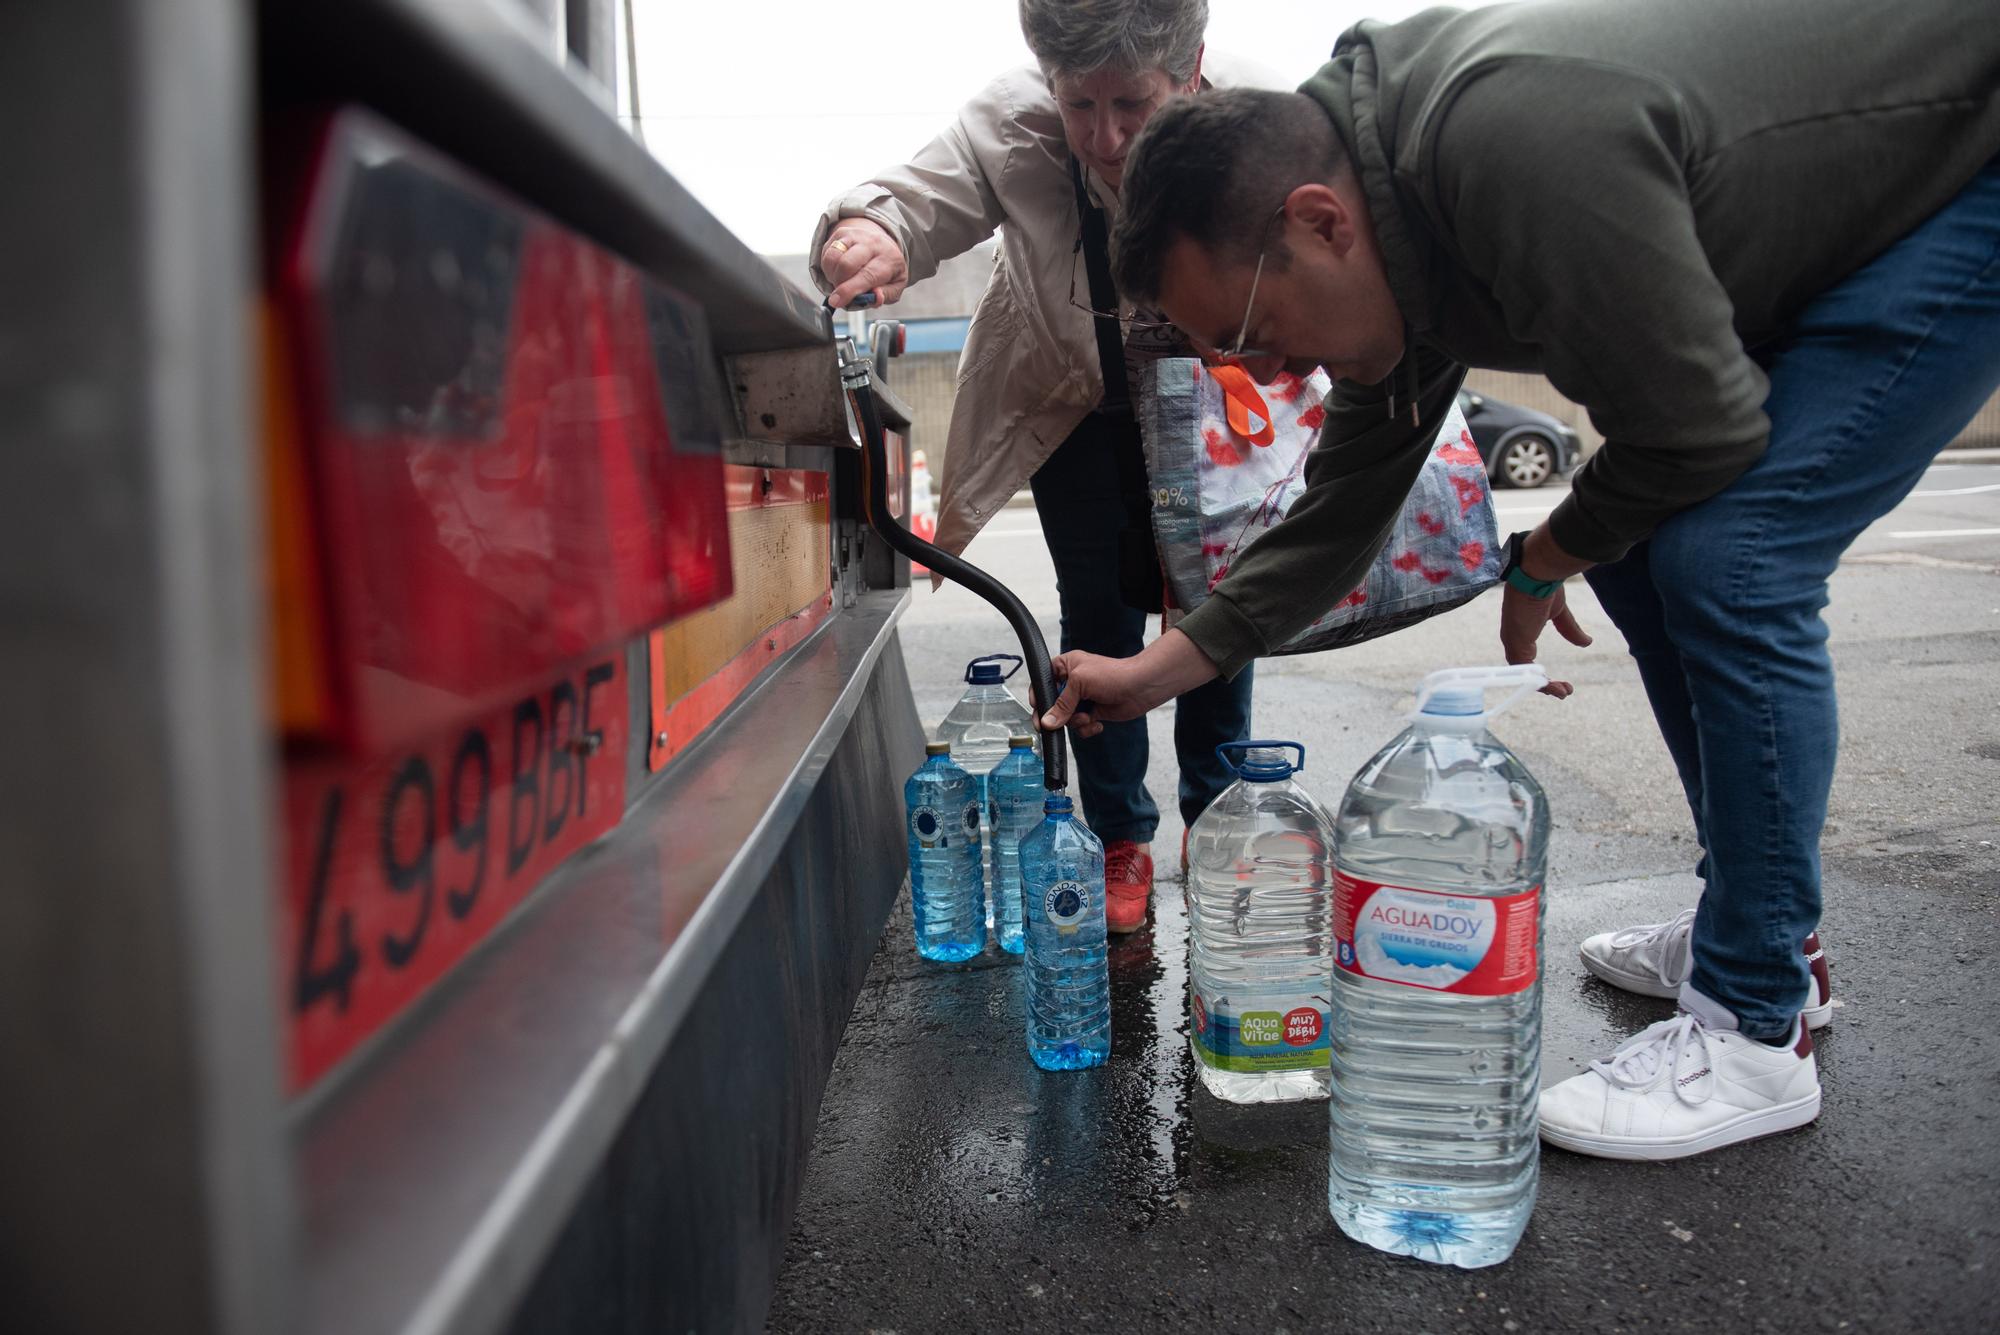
point(1092, 311)
point(1238, 354)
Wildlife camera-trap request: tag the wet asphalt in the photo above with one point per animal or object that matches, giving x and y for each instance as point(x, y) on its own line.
point(956, 1186)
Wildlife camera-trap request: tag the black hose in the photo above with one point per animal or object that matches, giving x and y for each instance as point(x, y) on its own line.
point(875, 496)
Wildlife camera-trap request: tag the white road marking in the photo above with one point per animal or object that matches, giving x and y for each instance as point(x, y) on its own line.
point(1946, 533)
point(1526, 506)
point(1916, 559)
point(1959, 491)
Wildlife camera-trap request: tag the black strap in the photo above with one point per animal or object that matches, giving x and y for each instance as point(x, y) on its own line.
point(1096, 245)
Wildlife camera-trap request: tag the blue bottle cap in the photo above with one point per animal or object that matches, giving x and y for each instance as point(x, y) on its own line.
point(985, 671)
point(1456, 702)
point(1263, 761)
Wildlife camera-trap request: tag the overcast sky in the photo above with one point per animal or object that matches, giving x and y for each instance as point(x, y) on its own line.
point(766, 109)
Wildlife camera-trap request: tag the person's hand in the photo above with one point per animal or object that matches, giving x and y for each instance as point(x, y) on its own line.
point(1098, 690)
point(1521, 622)
point(860, 256)
point(1522, 616)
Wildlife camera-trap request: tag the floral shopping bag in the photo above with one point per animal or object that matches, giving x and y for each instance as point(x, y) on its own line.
point(1225, 459)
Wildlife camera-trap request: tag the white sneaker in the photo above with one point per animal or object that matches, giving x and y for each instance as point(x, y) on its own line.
point(1655, 959)
point(1684, 1086)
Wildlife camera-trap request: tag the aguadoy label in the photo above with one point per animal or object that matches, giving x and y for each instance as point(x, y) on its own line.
point(1259, 1032)
point(1435, 939)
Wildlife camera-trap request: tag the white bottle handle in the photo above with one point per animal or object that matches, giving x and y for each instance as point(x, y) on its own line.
point(1523, 677)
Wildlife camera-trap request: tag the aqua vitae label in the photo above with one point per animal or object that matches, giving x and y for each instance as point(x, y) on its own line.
point(1256, 1033)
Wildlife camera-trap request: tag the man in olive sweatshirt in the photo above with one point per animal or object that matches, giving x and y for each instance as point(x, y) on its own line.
point(1760, 243)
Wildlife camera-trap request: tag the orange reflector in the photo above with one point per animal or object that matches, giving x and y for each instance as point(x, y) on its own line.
point(299, 698)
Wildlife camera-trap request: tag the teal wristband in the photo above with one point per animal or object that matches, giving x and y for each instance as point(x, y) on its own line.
point(1518, 578)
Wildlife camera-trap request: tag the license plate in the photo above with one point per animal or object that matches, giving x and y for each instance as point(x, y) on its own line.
point(396, 867)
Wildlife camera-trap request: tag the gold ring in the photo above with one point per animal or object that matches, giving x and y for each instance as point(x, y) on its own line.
point(844, 247)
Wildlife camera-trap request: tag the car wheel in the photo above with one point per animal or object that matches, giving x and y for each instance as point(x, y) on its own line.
point(1526, 461)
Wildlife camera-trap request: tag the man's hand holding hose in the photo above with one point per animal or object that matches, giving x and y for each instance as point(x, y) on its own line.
point(860, 256)
point(1098, 690)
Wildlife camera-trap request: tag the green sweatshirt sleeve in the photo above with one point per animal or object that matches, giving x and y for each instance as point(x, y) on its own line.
point(1357, 477)
point(1564, 186)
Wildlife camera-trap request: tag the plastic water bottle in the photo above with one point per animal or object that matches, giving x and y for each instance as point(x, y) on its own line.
point(946, 893)
point(1069, 978)
point(980, 724)
point(1442, 841)
point(1260, 932)
point(986, 716)
point(1014, 798)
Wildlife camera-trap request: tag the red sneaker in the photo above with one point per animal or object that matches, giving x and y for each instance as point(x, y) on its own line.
point(1128, 884)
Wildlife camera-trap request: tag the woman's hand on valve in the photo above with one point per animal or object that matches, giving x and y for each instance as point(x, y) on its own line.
point(860, 256)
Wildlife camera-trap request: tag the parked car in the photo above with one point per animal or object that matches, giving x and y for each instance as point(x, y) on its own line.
point(1523, 448)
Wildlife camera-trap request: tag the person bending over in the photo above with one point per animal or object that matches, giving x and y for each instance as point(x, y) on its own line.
point(1761, 245)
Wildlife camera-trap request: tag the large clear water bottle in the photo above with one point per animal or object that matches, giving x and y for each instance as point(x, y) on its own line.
point(1442, 841)
point(1014, 798)
point(946, 892)
point(1260, 932)
point(986, 716)
point(1069, 977)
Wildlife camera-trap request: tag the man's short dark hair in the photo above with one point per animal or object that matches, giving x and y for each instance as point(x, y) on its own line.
point(1214, 168)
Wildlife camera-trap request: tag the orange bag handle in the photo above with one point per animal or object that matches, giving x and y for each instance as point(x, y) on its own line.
point(1240, 400)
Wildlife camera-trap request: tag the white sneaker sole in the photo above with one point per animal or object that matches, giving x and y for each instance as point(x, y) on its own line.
point(1750, 1126)
point(1647, 985)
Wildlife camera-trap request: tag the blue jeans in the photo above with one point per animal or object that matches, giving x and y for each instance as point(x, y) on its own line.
point(1081, 501)
point(1721, 607)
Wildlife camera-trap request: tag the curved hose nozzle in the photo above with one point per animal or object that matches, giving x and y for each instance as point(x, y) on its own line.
point(856, 376)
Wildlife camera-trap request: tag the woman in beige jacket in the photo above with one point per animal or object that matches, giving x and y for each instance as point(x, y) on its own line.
point(1038, 156)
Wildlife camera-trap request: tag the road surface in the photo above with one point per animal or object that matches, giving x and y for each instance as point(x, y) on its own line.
point(955, 1187)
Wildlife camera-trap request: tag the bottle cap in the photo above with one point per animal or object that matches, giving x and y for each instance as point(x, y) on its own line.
point(985, 671)
point(1020, 739)
point(1263, 761)
point(1460, 693)
point(937, 748)
point(1457, 701)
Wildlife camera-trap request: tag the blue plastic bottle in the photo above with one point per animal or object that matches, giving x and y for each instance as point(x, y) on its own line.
point(1069, 979)
point(1014, 801)
point(946, 891)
